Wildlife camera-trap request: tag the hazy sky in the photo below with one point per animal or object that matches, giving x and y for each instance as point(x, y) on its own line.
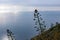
point(31, 2)
point(28, 5)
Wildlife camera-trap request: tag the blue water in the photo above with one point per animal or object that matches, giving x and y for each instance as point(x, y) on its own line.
point(22, 24)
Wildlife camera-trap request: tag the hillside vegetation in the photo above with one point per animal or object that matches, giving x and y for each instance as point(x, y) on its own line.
point(51, 34)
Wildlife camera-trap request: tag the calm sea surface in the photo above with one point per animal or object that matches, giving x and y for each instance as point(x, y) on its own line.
point(22, 24)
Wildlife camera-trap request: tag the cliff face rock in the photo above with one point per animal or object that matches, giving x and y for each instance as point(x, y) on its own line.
point(51, 34)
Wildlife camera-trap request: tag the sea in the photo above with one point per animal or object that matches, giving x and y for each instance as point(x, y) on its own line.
point(21, 24)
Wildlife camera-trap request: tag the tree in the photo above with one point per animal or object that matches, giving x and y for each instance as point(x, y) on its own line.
point(39, 23)
point(10, 35)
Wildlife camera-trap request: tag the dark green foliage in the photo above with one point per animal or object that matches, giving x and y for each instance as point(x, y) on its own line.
point(51, 34)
